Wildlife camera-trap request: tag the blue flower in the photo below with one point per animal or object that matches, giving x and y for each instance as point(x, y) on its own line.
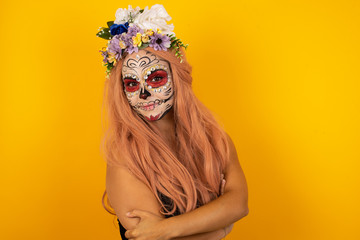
point(116, 29)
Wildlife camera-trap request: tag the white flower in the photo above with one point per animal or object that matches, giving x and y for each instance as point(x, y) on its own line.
point(121, 16)
point(124, 15)
point(133, 12)
point(155, 18)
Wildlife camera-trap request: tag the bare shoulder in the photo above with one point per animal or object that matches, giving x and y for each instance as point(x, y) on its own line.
point(232, 148)
point(234, 175)
point(233, 159)
point(126, 193)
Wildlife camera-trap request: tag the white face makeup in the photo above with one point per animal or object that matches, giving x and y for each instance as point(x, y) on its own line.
point(148, 86)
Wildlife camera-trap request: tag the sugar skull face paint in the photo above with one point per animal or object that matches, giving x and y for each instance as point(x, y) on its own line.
point(148, 85)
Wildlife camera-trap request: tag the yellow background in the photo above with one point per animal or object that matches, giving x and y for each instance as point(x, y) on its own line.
point(282, 76)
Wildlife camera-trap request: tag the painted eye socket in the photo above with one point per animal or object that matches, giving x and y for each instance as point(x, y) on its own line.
point(131, 85)
point(157, 78)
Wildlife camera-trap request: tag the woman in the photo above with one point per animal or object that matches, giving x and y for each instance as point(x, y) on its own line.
point(166, 154)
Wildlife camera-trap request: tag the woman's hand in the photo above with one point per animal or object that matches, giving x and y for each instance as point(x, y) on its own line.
point(150, 226)
point(222, 184)
point(227, 229)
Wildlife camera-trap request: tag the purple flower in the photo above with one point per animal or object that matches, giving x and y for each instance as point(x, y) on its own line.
point(105, 55)
point(127, 38)
point(130, 49)
point(133, 30)
point(117, 29)
point(114, 47)
point(159, 42)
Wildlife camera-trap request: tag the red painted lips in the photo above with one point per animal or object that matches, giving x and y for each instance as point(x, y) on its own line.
point(152, 118)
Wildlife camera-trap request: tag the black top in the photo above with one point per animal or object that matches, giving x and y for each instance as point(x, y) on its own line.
point(168, 204)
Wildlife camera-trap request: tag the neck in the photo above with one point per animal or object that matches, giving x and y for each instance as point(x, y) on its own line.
point(166, 124)
point(166, 127)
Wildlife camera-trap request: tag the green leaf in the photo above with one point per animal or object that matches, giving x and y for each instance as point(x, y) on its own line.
point(110, 23)
point(144, 45)
point(109, 66)
point(104, 33)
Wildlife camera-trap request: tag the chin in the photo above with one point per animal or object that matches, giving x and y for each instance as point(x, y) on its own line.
point(154, 118)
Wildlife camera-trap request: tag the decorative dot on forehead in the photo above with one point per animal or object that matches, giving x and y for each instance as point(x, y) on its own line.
point(152, 69)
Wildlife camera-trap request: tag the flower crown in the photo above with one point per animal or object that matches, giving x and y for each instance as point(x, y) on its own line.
point(136, 29)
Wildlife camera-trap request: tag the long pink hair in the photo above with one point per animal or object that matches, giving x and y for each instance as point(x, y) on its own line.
point(189, 176)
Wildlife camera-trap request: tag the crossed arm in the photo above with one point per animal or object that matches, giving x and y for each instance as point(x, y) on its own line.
point(209, 221)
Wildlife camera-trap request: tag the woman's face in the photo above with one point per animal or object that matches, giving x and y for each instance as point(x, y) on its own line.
point(148, 85)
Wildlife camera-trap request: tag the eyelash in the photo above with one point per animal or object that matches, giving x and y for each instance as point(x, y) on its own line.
point(159, 78)
point(156, 79)
point(128, 84)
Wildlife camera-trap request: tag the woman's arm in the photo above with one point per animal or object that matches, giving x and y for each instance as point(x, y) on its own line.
point(126, 192)
point(221, 212)
point(148, 218)
point(217, 235)
point(217, 214)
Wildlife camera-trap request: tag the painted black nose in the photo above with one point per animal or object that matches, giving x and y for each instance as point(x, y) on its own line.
point(144, 94)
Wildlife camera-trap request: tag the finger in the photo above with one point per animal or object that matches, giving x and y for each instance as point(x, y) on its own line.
point(223, 182)
point(137, 213)
point(222, 188)
point(130, 214)
point(129, 234)
point(229, 228)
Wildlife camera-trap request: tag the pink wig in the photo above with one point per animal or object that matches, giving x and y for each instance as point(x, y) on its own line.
point(188, 176)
